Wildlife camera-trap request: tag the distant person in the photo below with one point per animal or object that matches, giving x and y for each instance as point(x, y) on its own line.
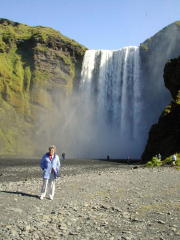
point(63, 156)
point(159, 156)
point(50, 164)
point(108, 157)
point(174, 159)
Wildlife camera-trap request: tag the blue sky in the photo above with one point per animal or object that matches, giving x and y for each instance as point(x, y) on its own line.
point(97, 24)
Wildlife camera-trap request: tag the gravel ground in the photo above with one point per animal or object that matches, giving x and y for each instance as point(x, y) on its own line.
point(94, 199)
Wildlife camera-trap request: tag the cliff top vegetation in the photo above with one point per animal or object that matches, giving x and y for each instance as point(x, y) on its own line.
point(13, 31)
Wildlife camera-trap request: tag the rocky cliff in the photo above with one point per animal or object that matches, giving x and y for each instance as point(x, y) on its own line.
point(39, 67)
point(164, 137)
point(155, 52)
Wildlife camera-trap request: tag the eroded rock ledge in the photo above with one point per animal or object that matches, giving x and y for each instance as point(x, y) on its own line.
point(164, 137)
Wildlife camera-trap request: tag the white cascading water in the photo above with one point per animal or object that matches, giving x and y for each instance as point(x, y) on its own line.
point(110, 84)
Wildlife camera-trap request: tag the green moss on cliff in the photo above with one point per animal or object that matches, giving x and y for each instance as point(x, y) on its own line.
point(177, 23)
point(27, 78)
point(35, 62)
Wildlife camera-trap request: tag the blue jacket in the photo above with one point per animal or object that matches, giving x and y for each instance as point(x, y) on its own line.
point(50, 167)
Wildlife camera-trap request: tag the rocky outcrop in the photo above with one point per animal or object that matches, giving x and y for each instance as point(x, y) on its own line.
point(172, 78)
point(38, 68)
point(155, 52)
point(164, 137)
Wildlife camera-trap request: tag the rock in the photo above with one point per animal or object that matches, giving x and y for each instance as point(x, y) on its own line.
point(116, 209)
point(161, 222)
point(104, 207)
point(126, 215)
point(68, 218)
point(167, 130)
point(27, 228)
point(63, 226)
point(135, 167)
point(73, 233)
point(14, 233)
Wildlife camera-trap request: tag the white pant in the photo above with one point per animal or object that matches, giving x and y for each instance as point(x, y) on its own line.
point(48, 187)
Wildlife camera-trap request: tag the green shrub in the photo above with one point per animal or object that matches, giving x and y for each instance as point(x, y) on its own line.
point(169, 161)
point(155, 162)
point(178, 159)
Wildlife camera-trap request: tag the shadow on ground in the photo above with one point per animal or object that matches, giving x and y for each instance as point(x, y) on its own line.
point(124, 161)
point(21, 193)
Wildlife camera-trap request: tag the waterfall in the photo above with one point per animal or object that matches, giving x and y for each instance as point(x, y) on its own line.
point(111, 89)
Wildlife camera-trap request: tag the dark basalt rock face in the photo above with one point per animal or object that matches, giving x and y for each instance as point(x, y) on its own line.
point(154, 53)
point(164, 137)
point(172, 78)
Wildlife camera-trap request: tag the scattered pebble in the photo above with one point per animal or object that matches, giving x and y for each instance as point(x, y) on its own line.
point(112, 203)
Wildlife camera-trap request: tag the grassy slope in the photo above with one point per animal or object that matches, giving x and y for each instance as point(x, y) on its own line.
point(27, 74)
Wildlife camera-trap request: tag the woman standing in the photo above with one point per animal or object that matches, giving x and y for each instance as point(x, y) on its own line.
point(50, 164)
